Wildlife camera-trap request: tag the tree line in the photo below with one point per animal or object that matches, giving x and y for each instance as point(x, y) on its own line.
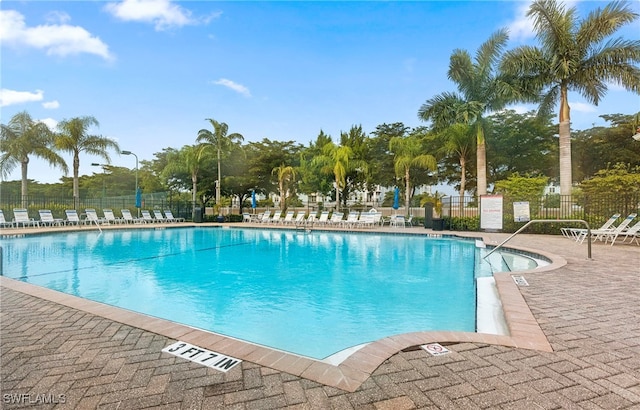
point(467, 130)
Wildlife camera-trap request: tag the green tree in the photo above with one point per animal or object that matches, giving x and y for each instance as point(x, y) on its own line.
point(482, 89)
point(337, 160)
point(286, 176)
point(73, 137)
point(23, 137)
point(408, 155)
point(575, 55)
point(458, 140)
point(620, 181)
point(221, 142)
point(379, 158)
point(188, 160)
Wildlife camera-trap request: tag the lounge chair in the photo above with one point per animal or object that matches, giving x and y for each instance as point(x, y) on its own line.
point(606, 234)
point(128, 218)
point(21, 217)
point(246, 217)
point(3, 221)
point(146, 217)
point(276, 218)
point(92, 217)
point(311, 219)
point(170, 218)
point(288, 218)
point(336, 219)
point(323, 219)
point(352, 219)
point(632, 233)
point(72, 217)
point(409, 221)
point(47, 219)
point(367, 220)
point(266, 217)
point(158, 216)
point(109, 217)
point(397, 221)
point(578, 234)
point(299, 220)
point(622, 230)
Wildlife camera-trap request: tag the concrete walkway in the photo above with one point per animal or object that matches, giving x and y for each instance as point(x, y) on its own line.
point(55, 356)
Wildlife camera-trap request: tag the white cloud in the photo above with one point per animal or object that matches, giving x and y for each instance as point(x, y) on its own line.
point(582, 107)
point(521, 28)
point(12, 97)
point(162, 13)
point(51, 105)
point(50, 122)
point(55, 39)
point(239, 88)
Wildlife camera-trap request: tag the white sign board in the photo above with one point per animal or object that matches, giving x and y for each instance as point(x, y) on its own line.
point(491, 212)
point(202, 356)
point(435, 349)
point(521, 212)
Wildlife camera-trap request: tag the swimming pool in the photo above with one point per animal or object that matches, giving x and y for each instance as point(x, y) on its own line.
point(309, 293)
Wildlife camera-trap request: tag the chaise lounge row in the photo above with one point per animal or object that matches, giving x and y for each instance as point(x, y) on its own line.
point(22, 219)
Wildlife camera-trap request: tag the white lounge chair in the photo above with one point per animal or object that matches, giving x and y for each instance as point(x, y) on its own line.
point(158, 216)
point(128, 218)
point(3, 222)
point(352, 219)
point(72, 217)
point(47, 219)
point(146, 217)
point(110, 217)
point(266, 217)
point(21, 217)
point(397, 221)
point(299, 220)
point(336, 218)
point(93, 218)
point(632, 233)
point(578, 234)
point(606, 234)
point(170, 218)
point(276, 218)
point(323, 219)
point(288, 218)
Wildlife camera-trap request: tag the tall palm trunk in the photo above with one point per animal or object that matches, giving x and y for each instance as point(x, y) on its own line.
point(23, 187)
point(407, 188)
point(337, 193)
point(76, 184)
point(194, 190)
point(219, 177)
point(463, 177)
point(481, 166)
point(565, 143)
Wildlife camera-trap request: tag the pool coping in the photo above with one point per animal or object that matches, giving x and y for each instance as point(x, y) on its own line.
point(524, 330)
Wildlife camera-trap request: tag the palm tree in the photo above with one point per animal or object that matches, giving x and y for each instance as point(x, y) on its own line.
point(219, 140)
point(407, 155)
point(189, 159)
point(23, 137)
point(286, 175)
point(73, 138)
point(482, 89)
point(457, 141)
point(337, 160)
point(576, 55)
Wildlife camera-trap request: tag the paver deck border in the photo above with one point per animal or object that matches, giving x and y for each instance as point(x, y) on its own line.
point(356, 368)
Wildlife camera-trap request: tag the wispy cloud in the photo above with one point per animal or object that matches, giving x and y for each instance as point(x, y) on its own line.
point(13, 97)
point(51, 105)
point(162, 13)
point(55, 38)
point(50, 122)
point(239, 88)
point(521, 28)
point(582, 107)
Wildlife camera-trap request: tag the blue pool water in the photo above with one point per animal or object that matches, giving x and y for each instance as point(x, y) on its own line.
point(309, 293)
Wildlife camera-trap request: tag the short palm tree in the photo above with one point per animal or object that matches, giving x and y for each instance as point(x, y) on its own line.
point(221, 142)
point(286, 175)
point(482, 89)
point(407, 155)
point(337, 160)
point(189, 160)
point(73, 137)
point(23, 137)
point(457, 141)
point(575, 55)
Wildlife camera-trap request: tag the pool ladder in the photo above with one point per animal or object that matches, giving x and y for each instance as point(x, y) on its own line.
point(546, 221)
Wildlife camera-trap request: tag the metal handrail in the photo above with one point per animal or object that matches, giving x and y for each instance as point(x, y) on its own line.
point(546, 220)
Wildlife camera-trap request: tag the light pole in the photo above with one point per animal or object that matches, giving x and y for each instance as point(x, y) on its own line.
point(138, 202)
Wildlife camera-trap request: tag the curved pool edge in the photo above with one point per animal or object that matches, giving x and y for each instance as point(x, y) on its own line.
point(525, 331)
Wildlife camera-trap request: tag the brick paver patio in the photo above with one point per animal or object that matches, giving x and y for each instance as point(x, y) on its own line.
point(55, 356)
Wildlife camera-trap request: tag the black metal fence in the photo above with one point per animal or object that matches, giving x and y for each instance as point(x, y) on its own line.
point(463, 213)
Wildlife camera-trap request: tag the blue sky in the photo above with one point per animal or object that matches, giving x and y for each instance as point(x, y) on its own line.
point(152, 71)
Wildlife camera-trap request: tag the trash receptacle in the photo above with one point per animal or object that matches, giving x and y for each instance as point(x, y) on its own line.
point(438, 224)
point(428, 215)
point(197, 215)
